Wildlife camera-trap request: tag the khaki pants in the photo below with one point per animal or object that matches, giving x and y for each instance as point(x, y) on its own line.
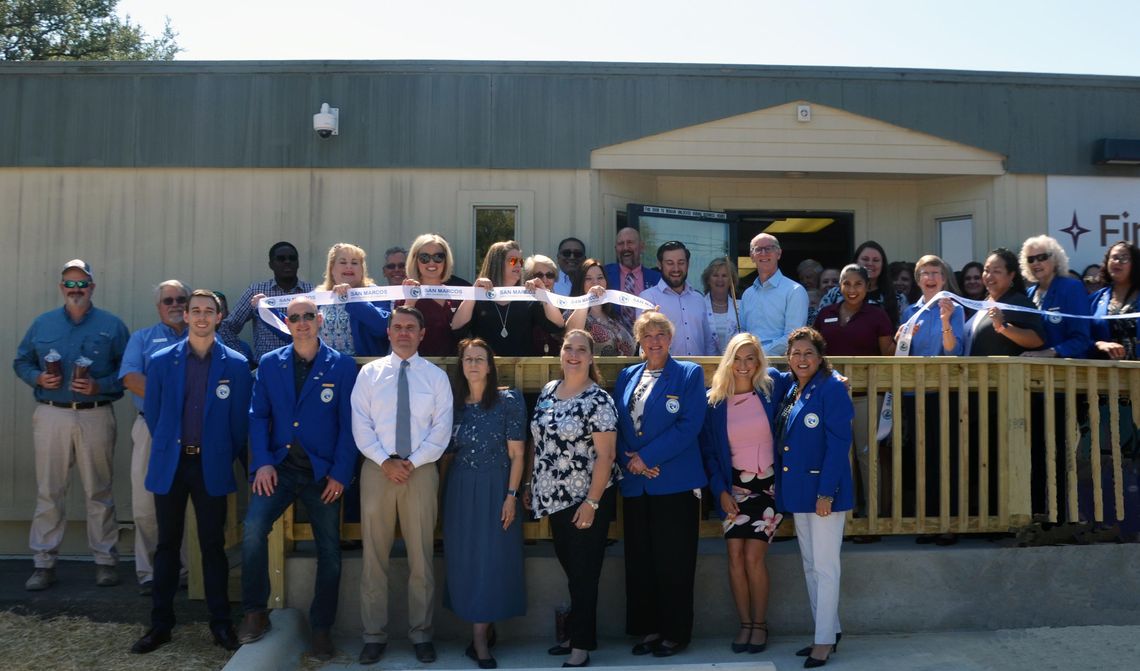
point(415, 504)
point(142, 507)
point(86, 438)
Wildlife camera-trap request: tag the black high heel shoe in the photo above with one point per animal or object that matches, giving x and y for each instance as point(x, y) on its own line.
point(813, 663)
point(488, 663)
point(806, 652)
point(743, 647)
point(754, 648)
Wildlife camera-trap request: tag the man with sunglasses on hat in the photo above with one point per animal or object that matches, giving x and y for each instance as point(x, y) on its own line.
point(301, 442)
point(284, 262)
point(70, 357)
point(571, 254)
point(170, 298)
point(196, 405)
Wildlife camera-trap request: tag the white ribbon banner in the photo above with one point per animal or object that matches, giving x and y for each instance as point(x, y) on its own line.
point(902, 348)
point(423, 292)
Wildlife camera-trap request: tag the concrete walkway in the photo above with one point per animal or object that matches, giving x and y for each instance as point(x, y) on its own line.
point(1091, 648)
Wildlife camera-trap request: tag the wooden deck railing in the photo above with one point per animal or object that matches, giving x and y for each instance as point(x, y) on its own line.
point(1003, 402)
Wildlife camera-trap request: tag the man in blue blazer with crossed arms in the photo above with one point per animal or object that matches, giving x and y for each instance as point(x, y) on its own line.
point(300, 422)
point(196, 407)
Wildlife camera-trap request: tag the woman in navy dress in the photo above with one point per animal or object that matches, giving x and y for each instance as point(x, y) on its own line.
point(480, 507)
point(736, 443)
point(813, 479)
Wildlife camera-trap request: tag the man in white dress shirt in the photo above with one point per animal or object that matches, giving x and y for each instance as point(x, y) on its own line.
point(401, 420)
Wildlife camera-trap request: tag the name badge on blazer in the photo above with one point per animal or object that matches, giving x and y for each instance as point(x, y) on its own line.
point(811, 420)
point(672, 404)
point(1056, 319)
point(831, 320)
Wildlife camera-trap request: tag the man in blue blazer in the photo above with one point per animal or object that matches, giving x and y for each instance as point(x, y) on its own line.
point(301, 444)
point(197, 410)
point(627, 274)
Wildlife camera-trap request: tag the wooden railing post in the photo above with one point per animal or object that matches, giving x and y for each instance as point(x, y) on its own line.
point(277, 564)
point(1018, 476)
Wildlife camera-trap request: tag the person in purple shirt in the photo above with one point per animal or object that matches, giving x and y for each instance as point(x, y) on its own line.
point(170, 299)
point(683, 305)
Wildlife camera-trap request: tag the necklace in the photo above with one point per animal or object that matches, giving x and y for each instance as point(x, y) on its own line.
point(503, 318)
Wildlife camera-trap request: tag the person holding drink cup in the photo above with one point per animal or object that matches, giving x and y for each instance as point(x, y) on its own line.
point(70, 357)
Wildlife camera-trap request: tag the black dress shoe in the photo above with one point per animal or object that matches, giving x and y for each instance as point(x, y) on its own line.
point(151, 641)
point(813, 663)
point(585, 662)
point(425, 652)
point(557, 650)
point(371, 652)
point(805, 652)
point(754, 648)
point(488, 663)
point(226, 637)
point(645, 647)
point(663, 650)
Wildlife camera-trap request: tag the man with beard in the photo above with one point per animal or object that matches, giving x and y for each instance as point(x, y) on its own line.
point(683, 305)
point(170, 298)
point(627, 274)
point(284, 262)
point(70, 357)
point(571, 254)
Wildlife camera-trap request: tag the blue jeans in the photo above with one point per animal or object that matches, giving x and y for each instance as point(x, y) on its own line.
point(325, 519)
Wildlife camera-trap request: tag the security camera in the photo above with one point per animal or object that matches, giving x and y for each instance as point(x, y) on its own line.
point(327, 121)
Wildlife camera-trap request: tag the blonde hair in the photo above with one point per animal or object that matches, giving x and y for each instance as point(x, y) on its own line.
point(413, 271)
point(723, 385)
point(334, 251)
point(651, 318)
point(1051, 246)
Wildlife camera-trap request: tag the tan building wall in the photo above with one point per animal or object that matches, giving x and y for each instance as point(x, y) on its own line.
point(211, 228)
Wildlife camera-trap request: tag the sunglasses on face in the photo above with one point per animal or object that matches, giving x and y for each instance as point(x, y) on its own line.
point(285, 258)
point(513, 261)
point(548, 275)
point(298, 316)
point(1038, 258)
point(171, 300)
point(438, 257)
point(76, 284)
point(393, 266)
point(571, 253)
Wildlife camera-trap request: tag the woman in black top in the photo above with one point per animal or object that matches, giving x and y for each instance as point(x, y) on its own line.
point(1004, 333)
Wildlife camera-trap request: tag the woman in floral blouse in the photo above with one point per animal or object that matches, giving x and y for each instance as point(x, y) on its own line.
point(574, 429)
point(603, 322)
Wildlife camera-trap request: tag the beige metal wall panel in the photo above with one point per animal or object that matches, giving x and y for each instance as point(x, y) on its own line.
point(212, 229)
point(773, 139)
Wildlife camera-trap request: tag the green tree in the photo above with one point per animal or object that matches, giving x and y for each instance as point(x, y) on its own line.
point(87, 30)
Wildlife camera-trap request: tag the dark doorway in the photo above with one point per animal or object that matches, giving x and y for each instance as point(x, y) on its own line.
point(826, 236)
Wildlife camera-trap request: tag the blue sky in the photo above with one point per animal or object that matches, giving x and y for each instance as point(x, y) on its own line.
point(1087, 37)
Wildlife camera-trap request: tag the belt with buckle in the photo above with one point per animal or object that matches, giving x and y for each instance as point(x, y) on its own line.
point(83, 405)
point(192, 450)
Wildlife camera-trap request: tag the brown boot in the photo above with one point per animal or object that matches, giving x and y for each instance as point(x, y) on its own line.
point(322, 648)
point(254, 626)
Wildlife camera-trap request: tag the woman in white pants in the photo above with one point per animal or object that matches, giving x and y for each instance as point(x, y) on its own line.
point(813, 479)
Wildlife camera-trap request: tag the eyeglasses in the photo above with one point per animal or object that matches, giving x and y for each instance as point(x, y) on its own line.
point(298, 316)
point(171, 300)
point(76, 284)
point(548, 275)
point(571, 253)
point(1121, 259)
point(393, 266)
point(930, 273)
point(474, 360)
point(513, 261)
point(766, 249)
point(1038, 258)
point(285, 258)
point(438, 257)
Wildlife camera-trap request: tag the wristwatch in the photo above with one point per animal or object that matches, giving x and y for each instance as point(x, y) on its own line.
point(513, 492)
point(592, 503)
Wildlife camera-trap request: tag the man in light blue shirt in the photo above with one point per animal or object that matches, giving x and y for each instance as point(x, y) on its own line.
point(170, 298)
point(571, 254)
point(774, 305)
point(683, 305)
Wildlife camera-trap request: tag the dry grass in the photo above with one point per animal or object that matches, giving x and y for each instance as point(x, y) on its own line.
point(76, 643)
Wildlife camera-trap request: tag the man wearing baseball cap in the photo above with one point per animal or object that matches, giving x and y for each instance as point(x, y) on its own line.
point(70, 357)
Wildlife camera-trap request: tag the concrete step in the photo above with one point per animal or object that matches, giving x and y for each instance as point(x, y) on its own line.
point(888, 587)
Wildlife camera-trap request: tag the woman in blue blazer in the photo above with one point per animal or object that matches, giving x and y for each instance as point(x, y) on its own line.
point(357, 328)
point(1116, 339)
point(1045, 266)
point(661, 408)
point(813, 479)
point(736, 443)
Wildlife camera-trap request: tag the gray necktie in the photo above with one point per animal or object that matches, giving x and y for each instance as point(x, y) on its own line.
point(403, 414)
